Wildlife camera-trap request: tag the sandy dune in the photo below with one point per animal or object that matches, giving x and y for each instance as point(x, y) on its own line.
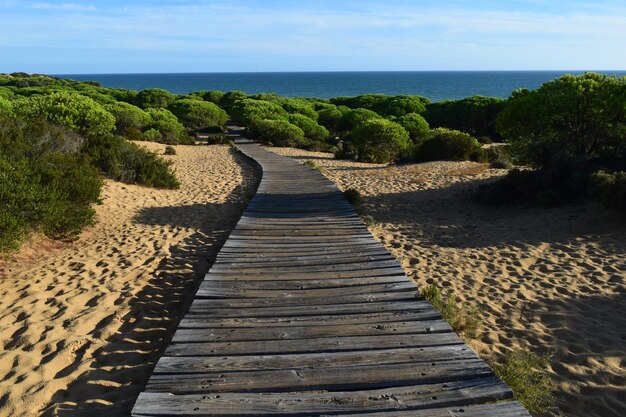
point(81, 324)
point(544, 278)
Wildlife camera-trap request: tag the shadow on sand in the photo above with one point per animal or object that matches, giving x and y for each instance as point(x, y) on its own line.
point(123, 365)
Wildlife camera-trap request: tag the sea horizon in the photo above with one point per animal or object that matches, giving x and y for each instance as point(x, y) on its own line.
point(436, 85)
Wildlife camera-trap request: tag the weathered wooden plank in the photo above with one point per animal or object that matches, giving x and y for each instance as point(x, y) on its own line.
point(280, 276)
point(207, 290)
point(327, 344)
point(208, 320)
point(295, 300)
point(333, 379)
point(199, 364)
point(433, 396)
point(297, 261)
point(200, 307)
point(211, 282)
point(501, 409)
point(215, 334)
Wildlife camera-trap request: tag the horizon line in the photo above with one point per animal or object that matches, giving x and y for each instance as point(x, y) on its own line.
point(324, 71)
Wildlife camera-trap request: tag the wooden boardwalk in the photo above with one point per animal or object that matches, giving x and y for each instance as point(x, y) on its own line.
point(304, 313)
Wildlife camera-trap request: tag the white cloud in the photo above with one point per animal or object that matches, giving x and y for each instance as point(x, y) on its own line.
point(401, 36)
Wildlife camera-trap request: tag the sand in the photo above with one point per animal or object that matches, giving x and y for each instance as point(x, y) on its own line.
point(545, 279)
point(82, 324)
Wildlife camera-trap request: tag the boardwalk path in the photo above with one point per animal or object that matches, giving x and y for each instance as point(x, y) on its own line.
point(304, 313)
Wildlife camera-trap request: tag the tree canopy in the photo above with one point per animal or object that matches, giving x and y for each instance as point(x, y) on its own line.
point(196, 114)
point(379, 140)
point(571, 118)
point(74, 111)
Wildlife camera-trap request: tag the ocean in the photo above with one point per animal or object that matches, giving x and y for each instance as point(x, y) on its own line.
point(436, 85)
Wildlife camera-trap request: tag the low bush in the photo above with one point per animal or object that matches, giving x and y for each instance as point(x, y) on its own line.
point(355, 117)
point(70, 110)
point(196, 114)
point(127, 117)
point(450, 145)
point(312, 164)
point(462, 318)
point(151, 135)
point(6, 107)
point(280, 133)
point(527, 375)
point(218, 139)
point(498, 157)
point(248, 111)
point(474, 115)
point(212, 96)
point(329, 117)
point(167, 124)
point(127, 162)
point(352, 196)
point(309, 126)
point(169, 150)
point(298, 106)
point(610, 189)
point(154, 98)
point(229, 98)
point(45, 184)
point(379, 140)
point(416, 125)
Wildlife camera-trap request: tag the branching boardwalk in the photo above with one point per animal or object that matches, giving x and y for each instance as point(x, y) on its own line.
point(304, 313)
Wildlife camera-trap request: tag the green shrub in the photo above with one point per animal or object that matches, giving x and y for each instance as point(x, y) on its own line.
point(72, 185)
point(355, 117)
point(6, 107)
point(310, 127)
point(169, 150)
point(379, 140)
point(527, 375)
point(610, 189)
point(416, 125)
point(212, 96)
point(280, 133)
point(127, 116)
point(249, 111)
point(45, 184)
point(449, 145)
point(218, 139)
point(401, 105)
point(461, 317)
point(573, 118)
point(312, 164)
point(228, 99)
point(167, 124)
point(78, 113)
point(154, 98)
point(329, 118)
point(196, 114)
point(298, 106)
point(127, 162)
point(352, 196)
point(474, 115)
point(383, 104)
point(498, 157)
point(151, 135)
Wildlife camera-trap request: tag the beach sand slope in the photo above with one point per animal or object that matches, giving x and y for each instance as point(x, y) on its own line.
point(545, 279)
point(82, 324)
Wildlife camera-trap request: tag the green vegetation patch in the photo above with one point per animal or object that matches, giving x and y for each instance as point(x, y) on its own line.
point(463, 319)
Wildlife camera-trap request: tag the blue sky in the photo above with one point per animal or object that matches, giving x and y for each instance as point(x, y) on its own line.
point(115, 36)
